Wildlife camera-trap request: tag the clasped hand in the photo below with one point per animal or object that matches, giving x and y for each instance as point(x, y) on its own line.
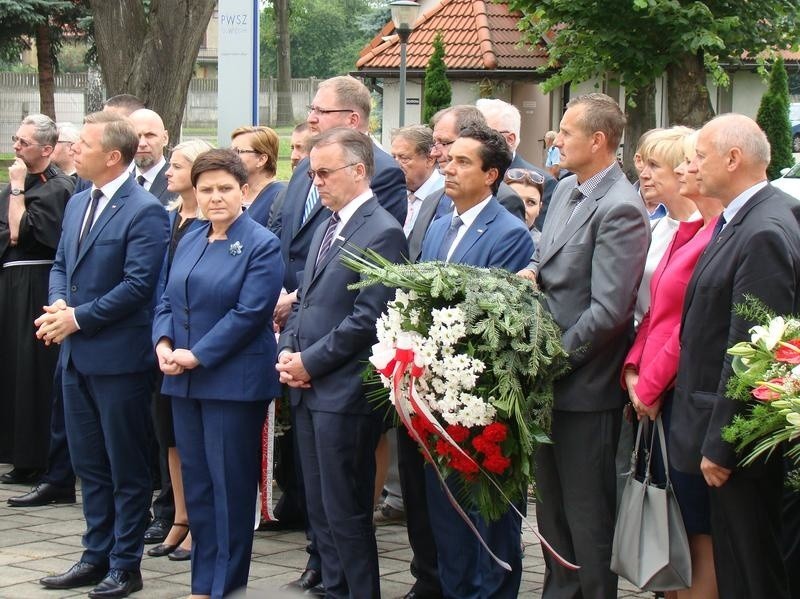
point(292, 372)
point(174, 361)
point(56, 323)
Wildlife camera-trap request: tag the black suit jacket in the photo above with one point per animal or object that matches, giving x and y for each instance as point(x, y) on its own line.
point(758, 253)
point(159, 187)
point(388, 184)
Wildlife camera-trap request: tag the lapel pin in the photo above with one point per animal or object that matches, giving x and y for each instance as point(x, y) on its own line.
point(480, 231)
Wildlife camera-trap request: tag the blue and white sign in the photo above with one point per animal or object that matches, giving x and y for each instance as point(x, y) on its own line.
point(237, 91)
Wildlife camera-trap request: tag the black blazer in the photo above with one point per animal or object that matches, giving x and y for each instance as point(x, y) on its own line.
point(758, 253)
point(159, 187)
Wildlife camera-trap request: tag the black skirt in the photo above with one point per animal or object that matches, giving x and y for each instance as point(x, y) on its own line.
point(27, 367)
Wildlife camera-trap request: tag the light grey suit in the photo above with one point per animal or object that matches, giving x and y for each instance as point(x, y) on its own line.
point(589, 267)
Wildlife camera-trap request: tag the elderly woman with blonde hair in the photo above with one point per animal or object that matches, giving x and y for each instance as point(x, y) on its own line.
point(652, 363)
point(258, 148)
point(184, 216)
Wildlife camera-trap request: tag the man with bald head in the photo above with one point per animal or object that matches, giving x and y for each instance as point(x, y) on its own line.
point(151, 165)
point(755, 252)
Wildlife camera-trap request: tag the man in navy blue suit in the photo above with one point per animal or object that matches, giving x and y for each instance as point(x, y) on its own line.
point(322, 352)
point(479, 232)
point(101, 292)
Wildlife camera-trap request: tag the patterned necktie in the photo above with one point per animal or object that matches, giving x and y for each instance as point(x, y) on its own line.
point(87, 226)
point(718, 227)
point(141, 180)
point(327, 241)
point(311, 201)
point(449, 238)
point(575, 200)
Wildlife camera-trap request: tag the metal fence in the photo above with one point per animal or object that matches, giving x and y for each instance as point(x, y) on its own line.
point(19, 97)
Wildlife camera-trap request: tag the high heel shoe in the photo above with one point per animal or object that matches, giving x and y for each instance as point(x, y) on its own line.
point(163, 549)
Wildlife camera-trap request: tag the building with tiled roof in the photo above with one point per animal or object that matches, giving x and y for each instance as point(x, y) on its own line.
point(484, 57)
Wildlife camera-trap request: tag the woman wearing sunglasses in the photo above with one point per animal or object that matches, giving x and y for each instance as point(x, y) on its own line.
point(528, 185)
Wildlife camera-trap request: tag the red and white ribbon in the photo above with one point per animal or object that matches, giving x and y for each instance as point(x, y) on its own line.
point(398, 362)
point(267, 461)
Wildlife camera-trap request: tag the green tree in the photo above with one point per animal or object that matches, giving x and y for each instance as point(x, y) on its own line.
point(773, 118)
point(640, 40)
point(436, 93)
point(45, 24)
point(325, 37)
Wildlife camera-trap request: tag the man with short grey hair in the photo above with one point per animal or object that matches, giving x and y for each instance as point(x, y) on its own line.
point(756, 252)
point(31, 208)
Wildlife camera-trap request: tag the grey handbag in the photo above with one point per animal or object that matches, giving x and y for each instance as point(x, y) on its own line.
point(651, 548)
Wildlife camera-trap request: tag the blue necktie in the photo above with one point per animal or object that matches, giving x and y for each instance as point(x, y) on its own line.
point(718, 227)
point(87, 226)
point(449, 238)
point(311, 201)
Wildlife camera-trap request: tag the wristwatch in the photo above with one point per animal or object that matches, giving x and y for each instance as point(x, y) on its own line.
point(17, 191)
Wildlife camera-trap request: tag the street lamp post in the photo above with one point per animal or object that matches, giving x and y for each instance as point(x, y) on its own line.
point(404, 13)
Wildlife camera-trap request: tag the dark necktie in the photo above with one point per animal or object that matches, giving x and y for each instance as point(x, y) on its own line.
point(575, 199)
point(87, 226)
point(449, 238)
point(718, 227)
point(327, 241)
point(141, 180)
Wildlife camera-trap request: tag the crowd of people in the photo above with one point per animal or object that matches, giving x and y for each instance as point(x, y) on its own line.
point(153, 307)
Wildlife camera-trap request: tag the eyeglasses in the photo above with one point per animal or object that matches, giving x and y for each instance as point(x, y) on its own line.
point(403, 158)
point(443, 144)
point(245, 151)
point(24, 142)
point(322, 111)
point(324, 173)
point(64, 141)
point(521, 175)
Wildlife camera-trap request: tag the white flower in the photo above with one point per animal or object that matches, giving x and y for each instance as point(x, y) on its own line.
point(769, 335)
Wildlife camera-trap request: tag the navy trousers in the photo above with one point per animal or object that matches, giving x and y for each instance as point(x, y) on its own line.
point(106, 420)
point(466, 571)
point(337, 452)
point(219, 442)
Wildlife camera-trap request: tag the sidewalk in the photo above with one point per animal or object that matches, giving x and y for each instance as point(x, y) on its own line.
point(35, 542)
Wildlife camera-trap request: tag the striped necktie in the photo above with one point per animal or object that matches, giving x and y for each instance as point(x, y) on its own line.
point(311, 201)
point(327, 241)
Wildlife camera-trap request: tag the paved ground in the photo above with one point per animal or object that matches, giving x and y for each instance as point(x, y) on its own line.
point(35, 542)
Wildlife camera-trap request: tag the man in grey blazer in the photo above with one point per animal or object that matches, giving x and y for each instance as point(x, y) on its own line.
point(589, 265)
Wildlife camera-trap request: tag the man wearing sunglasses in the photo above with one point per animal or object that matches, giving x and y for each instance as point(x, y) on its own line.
point(31, 209)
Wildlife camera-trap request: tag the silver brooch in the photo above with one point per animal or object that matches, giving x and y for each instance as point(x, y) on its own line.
point(235, 249)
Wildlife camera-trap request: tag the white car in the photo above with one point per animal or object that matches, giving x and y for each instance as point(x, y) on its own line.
point(789, 181)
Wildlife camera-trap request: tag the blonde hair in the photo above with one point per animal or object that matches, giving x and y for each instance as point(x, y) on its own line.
point(666, 144)
point(265, 141)
point(191, 149)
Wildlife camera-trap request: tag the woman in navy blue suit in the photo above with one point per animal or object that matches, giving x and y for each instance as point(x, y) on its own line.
point(215, 346)
point(184, 216)
point(258, 149)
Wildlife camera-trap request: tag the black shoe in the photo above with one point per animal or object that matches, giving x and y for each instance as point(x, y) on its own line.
point(82, 574)
point(43, 494)
point(118, 583)
point(180, 555)
point(163, 549)
point(317, 591)
point(20, 476)
point(308, 580)
point(277, 525)
point(157, 531)
point(416, 592)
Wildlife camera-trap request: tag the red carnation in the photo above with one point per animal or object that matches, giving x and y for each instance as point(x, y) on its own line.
point(496, 463)
point(789, 352)
point(495, 432)
point(458, 433)
point(482, 444)
point(464, 465)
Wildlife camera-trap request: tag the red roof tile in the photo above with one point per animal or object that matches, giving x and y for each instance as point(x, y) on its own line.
point(478, 35)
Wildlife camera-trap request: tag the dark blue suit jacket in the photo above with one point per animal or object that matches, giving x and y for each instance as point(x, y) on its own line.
point(388, 184)
point(260, 208)
point(334, 327)
point(162, 278)
point(218, 303)
point(111, 280)
point(495, 239)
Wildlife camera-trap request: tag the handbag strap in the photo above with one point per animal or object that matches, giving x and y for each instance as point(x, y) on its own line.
point(663, 442)
point(658, 431)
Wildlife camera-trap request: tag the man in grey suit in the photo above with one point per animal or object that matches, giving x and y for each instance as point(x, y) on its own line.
point(150, 162)
point(589, 265)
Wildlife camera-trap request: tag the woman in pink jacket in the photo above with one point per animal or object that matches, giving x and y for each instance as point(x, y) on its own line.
point(652, 363)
